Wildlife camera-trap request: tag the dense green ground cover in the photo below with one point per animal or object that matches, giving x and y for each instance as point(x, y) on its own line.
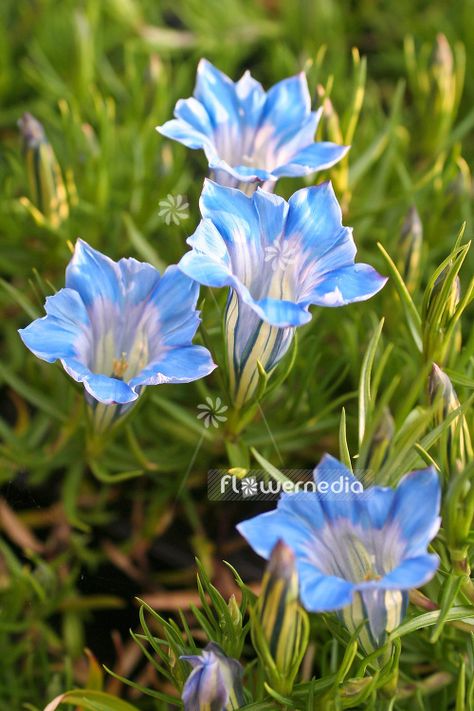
point(89, 523)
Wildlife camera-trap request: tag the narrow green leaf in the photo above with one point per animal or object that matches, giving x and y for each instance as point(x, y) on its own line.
point(344, 453)
point(365, 398)
point(430, 618)
point(270, 469)
point(411, 314)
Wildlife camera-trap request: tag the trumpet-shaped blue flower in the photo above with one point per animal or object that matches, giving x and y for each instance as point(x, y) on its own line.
point(357, 551)
point(278, 258)
point(215, 683)
point(119, 326)
point(249, 135)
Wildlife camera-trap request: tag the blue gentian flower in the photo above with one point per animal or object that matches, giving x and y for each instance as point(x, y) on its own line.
point(357, 551)
point(215, 683)
point(119, 326)
point(278, 258)
point(251, 136)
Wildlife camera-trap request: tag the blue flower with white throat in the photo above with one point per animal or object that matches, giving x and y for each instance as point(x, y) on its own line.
point(251, 136)
point(118, 327)
point(278, 258)
point(357, 551)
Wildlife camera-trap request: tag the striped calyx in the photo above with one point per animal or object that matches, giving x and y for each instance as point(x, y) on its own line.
point(251, 344)
point(374, 613)
point(279, 624)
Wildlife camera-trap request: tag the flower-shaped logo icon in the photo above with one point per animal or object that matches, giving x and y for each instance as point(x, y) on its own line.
point(212, 412)
point(281, 254)
point(174, 208)
point(249, 486)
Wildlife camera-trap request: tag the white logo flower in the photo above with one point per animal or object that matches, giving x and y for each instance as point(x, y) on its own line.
point(212, 412)
point(249, 486)
point(174, 208)
point(281, 254)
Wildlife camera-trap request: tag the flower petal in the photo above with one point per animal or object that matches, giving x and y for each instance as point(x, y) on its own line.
point(177, 365)
point(347, 285)
point(62, 332)
point(311, 158)
point(272, 211)
point(378, 501)
point(216, 92)
point(288, 102)
point(94, 276)
point(340, 497)
point(101, 387)
point(175, 297)
point(315, 218)
point(251, 97)
point(236, 220)
point(287, 144)
point(411, 573)
point(264, 531)
point(209, 260)
point(184, 133)
point(138, 280)
point(415, 509)
point(322, 593)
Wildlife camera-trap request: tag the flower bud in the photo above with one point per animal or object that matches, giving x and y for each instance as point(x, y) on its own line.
point(441, 306)
point(235, 613)
point(215, 682)
point(458, 517)
point(280, 631)
point(45, 179)
point(254, 347)
point(454, 295)
point(441, 387)
point(442, 60)
point(456, 441)
point(444, 88)
point(410, 244)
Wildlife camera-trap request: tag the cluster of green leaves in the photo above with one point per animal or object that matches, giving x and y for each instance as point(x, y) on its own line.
point(347, 680)
point(100, 77)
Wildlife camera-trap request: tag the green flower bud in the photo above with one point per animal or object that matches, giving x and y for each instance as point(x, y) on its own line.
point(456, 443)
point(410, 245)
point(45, 179)
point(442, 60)
point(458, 516)
point(235, 614)
point(440, 308)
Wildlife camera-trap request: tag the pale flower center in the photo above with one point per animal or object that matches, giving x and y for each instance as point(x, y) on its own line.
point(121, 356)
point(356, 554)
